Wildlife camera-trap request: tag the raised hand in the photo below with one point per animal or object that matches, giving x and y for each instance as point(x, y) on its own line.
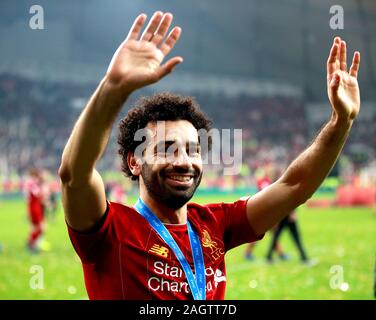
point(138, 60)
point(343, 88)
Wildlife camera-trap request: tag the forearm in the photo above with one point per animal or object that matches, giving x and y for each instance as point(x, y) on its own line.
point(91, 133)
point(308, 171)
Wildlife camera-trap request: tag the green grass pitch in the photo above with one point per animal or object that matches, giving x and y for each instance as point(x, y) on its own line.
point(342, 240)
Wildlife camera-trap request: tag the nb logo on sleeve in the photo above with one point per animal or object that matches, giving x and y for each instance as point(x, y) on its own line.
point(159, 250)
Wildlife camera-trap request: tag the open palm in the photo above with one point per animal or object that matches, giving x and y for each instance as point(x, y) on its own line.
point(343, 88)
point(138, 60)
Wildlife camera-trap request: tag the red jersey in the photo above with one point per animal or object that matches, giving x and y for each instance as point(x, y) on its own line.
point(34, 200)
point(124, 258)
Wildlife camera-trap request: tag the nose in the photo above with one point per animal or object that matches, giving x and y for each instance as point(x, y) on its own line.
point(181, 159)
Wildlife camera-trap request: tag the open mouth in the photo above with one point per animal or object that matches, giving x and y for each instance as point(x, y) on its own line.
point(179, 179)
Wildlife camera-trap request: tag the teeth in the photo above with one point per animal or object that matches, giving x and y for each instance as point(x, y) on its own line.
point(181, 178)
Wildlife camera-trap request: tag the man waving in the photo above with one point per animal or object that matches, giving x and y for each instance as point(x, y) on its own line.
point(165, 247)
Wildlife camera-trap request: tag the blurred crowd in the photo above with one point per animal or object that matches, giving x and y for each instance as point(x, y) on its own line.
point(36, 119)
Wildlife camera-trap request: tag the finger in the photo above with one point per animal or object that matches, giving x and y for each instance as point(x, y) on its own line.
point(162, 29)
point(334, 83)
point(169, 66)
point(134, 32)
point(172, 38)
point(333, 86)
point(355, 64)
point(152, 26)
point(332, 59)
point(338, 42)
point(342, 56)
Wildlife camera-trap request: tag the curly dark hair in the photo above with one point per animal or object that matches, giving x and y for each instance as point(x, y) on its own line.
point(163, 106)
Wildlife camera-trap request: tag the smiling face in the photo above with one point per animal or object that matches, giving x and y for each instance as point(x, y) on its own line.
point(172, 165)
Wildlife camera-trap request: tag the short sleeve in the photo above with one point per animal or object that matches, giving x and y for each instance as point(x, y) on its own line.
point(237, 228)
point(89, 243)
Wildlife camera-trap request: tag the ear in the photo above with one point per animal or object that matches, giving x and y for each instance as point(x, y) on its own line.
point(134, 164)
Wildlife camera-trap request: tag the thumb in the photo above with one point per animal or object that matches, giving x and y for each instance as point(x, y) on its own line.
point(334, 82)
point(169, 66)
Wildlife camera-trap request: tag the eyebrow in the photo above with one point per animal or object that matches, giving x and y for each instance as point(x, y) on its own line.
point(163, 144)
point(167, 143)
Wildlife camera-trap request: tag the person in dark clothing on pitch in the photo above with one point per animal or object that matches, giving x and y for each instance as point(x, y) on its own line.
point(289, 222)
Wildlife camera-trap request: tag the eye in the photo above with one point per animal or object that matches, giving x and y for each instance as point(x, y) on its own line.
point(165, 149)
point(162, 151)
point(170, 150)
point(193, 150)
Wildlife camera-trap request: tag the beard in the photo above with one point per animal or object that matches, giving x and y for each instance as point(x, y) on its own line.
point(173, 197)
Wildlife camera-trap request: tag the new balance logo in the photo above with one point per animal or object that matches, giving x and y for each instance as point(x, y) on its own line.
point(159, 250)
